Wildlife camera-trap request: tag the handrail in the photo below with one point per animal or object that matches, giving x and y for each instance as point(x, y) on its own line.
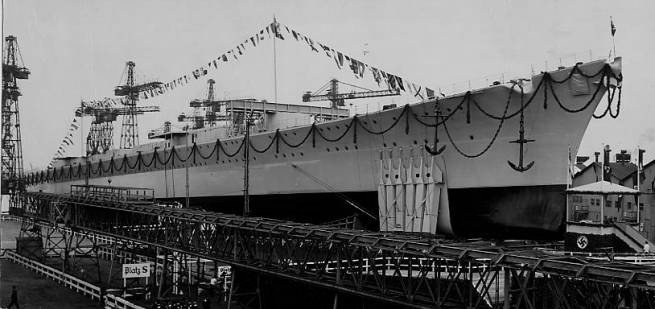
point(72, 282)
point(113, 301)
point(67, 280)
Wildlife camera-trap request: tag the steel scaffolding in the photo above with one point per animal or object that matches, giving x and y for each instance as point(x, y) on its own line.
point(398, 269)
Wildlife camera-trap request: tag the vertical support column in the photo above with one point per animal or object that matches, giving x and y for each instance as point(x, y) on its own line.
point(507, 284)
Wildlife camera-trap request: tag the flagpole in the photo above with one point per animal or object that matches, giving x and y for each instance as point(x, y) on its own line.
point(613, 30)
point(638, 183)
point(568, 186)
point(275, 59)
point(82, 154)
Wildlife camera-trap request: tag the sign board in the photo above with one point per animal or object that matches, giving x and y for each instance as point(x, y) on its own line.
point(140, 270)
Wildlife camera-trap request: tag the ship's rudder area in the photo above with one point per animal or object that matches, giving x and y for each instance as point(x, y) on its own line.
point(526, 212)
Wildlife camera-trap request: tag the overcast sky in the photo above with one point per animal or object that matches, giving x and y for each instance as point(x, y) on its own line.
point(77, 49)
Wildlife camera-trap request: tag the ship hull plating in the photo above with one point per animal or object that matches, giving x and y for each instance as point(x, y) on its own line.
point(296, 172)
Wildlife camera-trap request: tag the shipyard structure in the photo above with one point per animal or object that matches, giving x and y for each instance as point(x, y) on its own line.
point(305, 205)
point(421, 167)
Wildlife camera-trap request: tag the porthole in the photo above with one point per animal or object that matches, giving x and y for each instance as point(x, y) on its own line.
point(471, 136)
point(375, 121)
point(345, 147)
point(302, 154)
point(394, 144)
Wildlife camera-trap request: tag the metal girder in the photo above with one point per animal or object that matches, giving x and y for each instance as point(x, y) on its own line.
point(405, 270)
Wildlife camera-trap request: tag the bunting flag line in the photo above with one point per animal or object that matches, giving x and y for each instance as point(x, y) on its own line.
point(276, 30)
point(358, 67)
point(232, 54)
point(67, 141)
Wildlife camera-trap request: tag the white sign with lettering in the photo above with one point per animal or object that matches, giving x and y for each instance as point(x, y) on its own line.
point(136, 270)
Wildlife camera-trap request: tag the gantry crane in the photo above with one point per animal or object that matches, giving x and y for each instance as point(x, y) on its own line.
point(338, 99)
point(205, 111)
point(130, 91)
point(104, 113)
point(13, 69)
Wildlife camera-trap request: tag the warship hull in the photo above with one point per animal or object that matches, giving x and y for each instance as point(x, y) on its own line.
point(316, 173)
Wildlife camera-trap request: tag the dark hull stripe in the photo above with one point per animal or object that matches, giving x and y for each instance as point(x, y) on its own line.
point(504, 213)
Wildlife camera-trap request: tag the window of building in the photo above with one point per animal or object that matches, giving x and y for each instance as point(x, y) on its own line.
point(617, 205)
point(629, 205)
point(641, 206)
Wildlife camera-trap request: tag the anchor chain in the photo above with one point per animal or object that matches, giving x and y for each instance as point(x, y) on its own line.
point(436, 150)
point(521, 140)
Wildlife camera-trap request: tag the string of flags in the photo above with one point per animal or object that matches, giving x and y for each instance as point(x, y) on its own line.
point(275, 30)
point(359, 68)
point(66, 142)
point(231, 55)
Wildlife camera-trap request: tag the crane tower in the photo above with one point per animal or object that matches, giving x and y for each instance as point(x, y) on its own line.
point(13, 69)
point(130, 91)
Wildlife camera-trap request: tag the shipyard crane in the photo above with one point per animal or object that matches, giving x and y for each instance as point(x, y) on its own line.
point(13, 69)
point(204, 110)
point(338, 99)
point(130, 91)
point(104, 113)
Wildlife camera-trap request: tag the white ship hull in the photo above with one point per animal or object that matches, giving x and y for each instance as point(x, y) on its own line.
point(485, 195)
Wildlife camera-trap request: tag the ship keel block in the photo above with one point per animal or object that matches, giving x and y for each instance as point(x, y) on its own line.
point(526, 212)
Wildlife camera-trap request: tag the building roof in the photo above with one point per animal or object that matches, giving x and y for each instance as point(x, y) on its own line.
point(646, 166)
point(602, 187)
point(619, 170)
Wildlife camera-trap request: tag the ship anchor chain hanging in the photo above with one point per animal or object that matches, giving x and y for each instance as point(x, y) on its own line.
point(521, 141)
point(436, 150)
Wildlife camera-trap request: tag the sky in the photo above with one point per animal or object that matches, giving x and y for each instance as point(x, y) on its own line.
point(77, 49)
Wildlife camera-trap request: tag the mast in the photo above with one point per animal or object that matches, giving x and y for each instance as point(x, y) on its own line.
point(275, 29)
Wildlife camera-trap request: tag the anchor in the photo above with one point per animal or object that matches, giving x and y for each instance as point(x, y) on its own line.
point(436, 150)
point(521, 141)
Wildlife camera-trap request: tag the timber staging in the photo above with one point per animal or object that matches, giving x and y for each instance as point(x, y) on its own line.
point(394, 269)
